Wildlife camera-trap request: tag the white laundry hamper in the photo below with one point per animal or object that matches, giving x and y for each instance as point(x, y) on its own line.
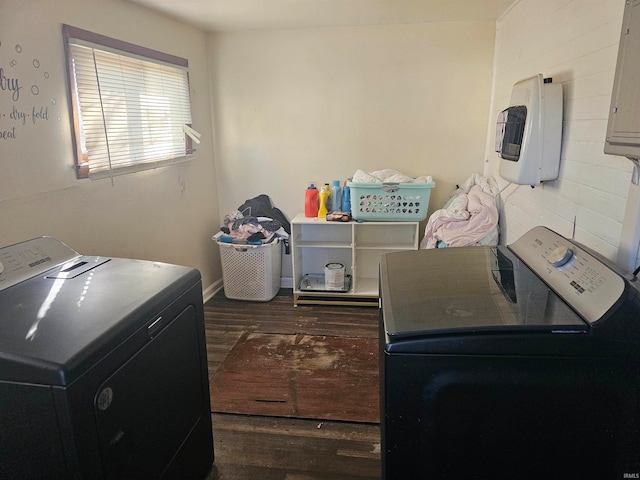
point(251, 272)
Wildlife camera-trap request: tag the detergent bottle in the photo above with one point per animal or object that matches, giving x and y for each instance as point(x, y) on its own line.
point(311, 201)
point(327, 187)
point(324, 197)
point(346, 198)
point(336, 196)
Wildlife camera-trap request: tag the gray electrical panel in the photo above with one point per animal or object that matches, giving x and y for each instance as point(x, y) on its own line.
point(623, 130)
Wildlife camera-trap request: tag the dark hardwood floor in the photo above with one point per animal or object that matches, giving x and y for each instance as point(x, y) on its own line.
point(272, 448)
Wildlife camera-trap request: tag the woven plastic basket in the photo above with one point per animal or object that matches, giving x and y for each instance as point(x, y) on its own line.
point(251, 272)
point(392, 202)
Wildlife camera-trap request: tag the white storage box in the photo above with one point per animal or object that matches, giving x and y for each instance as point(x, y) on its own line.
point(251, 272)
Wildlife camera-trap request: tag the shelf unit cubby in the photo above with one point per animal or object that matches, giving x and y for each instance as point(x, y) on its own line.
point(316, 242)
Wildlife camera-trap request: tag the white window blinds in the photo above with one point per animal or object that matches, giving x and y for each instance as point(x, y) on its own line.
point(131, 111)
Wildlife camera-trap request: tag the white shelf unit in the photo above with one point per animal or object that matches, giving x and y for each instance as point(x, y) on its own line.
point(357, 245)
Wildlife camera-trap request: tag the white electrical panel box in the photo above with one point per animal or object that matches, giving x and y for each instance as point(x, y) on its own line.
point(529, 132)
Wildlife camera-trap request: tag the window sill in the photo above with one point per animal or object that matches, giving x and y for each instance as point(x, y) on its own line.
point(140, 167)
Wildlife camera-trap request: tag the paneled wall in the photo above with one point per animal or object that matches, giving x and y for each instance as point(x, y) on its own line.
point(576, 43)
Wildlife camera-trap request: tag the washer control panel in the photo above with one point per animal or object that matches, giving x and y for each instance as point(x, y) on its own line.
point(33, 257)
point(560, 256)
point(583, 281)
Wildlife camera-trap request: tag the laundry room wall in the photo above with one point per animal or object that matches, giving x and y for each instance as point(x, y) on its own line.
point(315, 104)
point(576, 43)
point(167, 214)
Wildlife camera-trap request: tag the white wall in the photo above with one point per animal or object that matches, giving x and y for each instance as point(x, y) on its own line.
point(292, 106)
point(166, 214)
point(576, 43)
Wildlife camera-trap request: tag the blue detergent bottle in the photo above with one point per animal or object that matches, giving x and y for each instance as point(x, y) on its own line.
point(346, 198)
point(336, 196)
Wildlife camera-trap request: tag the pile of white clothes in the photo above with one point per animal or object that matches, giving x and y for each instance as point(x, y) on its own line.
point(469, 217)
point(387, 176)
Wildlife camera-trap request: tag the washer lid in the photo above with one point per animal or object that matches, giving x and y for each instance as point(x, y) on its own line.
point(55, 325)
point(469, 290)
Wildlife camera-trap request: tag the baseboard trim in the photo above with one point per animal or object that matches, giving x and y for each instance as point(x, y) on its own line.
point(211, 290)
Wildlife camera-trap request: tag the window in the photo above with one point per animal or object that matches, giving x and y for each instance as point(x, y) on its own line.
point(130, 105)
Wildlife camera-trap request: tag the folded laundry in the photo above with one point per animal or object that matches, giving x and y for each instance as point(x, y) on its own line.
point(387, 176)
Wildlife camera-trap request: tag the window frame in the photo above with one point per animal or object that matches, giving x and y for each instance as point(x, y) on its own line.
point(120, 47)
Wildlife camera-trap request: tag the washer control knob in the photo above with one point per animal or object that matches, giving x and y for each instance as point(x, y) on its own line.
point(560, 256)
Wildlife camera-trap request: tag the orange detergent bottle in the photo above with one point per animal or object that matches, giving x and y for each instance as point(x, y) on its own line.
point(311, 202)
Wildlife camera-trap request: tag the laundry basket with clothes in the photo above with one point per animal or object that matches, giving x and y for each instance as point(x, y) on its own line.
point(251, 250)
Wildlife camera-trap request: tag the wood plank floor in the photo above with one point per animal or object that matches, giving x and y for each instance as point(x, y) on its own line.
point(271, 448)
